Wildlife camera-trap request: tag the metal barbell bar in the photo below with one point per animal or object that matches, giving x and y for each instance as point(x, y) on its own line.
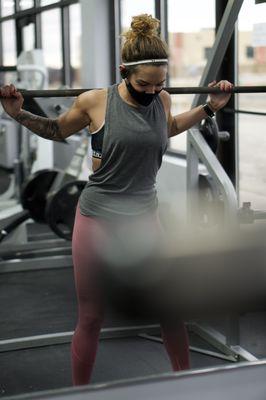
point(171, 90)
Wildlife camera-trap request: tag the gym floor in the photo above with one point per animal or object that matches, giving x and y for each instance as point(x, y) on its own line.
point(42, 302)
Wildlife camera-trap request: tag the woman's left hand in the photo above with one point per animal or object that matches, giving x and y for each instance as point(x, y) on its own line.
point(219, 100)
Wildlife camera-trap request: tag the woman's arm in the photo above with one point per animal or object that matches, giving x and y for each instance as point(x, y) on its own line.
point(72, 121)
point(182, 122)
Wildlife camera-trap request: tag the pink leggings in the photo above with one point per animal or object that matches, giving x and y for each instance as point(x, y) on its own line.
point(86, 237)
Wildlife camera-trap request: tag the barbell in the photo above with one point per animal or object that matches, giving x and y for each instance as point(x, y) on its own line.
point(172, 90)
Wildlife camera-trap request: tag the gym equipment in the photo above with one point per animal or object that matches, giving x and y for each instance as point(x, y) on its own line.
point(45, 184)
point(172, 90)
point(31, 69)
point(34, 250)
point(52, 108)
point(11, 225)
point(209, 200)
point(61, 207)
point(247, 215)
point(8, 142)
point(210, 131)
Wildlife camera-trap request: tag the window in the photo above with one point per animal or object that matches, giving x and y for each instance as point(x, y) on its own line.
point(252, 71)
point(44, 30)
point(249, 52)
point(75, 44)
point(191, 37)
point(24, 4)
point(28, 37)
point(9, 43)
point(131, 8)
point(52, 45)
point(7, 7)
point(48, 2)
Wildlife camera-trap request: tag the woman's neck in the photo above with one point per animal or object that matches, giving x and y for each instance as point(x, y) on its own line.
point(124, 93)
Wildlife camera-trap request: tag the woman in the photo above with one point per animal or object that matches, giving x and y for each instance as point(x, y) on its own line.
point(131, 123)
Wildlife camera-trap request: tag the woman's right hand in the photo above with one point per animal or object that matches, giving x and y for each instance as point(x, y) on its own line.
point(11, 100)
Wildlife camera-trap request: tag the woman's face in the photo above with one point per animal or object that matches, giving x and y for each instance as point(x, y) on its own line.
point(148, 78)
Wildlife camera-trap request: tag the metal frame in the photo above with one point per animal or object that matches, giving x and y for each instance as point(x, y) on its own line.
point(115, 41)
point(194, 142)
point(198, 149)
point(228, 151)
point(161, 12)
point(34, 14)
point(31, 246)
point(148, 332)
point(232, 358)
point(32, 342)
point(38, 26)
point(65, 34)
point(237, 111)
point(38, 9)
point(230, 352)
point(36, 264)
point(39, 252)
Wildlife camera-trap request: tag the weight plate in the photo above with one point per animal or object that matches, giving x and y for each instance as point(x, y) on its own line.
point(61, 208)
point(34, 192)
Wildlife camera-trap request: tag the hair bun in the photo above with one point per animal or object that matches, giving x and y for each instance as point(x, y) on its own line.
point(143, 25)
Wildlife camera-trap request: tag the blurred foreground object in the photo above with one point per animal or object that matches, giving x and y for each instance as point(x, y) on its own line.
point(195, 276)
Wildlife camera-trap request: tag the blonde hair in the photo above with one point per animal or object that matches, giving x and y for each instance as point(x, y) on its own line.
point(142, 40)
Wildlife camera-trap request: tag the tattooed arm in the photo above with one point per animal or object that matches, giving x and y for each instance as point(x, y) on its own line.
point(47, 128)
point(72, 121)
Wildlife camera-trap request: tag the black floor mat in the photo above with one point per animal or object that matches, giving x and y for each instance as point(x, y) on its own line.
point(37, 302)
point(50, 368)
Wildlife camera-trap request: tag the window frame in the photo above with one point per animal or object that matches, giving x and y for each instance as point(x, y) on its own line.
point(33, 14)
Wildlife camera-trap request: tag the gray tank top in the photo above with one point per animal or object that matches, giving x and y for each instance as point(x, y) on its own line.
point(135, 139)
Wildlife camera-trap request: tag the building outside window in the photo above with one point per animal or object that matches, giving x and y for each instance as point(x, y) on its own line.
point(191, 36)
point(252, 71)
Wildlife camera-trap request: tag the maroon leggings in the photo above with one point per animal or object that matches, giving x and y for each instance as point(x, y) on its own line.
point(87, 235)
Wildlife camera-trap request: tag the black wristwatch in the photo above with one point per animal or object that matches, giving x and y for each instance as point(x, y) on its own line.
point(208, 110)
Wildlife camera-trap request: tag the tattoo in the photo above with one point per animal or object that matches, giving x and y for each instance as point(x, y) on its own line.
point(174, 127)
point(46, 128)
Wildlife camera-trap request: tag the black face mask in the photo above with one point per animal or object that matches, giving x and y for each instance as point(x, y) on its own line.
point(142, 98)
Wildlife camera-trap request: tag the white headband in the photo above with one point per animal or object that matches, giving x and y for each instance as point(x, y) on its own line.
point(158, 60)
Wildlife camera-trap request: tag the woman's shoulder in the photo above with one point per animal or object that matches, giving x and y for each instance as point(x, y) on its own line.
point(92, 101)
point(93, 97)
point(166, 100)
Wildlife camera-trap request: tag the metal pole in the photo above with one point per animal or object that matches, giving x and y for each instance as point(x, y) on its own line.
point(173, 90)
